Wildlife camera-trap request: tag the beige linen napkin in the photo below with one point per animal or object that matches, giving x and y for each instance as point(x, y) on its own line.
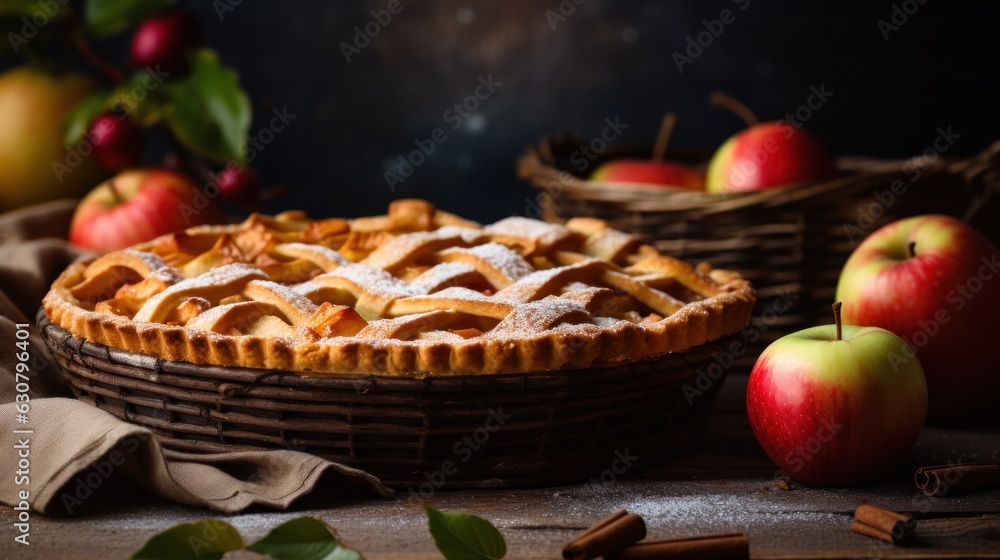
point(69, 449)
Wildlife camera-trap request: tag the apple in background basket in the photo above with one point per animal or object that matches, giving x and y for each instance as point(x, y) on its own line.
point(837, 406)
point(649, 172)
point(766, 155)
point(654, 172)
point(138, 205)
point(935, 281)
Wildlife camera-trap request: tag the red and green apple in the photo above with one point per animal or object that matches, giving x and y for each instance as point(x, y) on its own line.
point(653, 172)
point(934, 281)
point(650, 172)
point(837, 406)
point(768, 155)
point(138, 205)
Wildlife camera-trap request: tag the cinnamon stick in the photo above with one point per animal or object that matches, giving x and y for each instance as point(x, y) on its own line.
point(715, 547)
point(868, 530)
point(882, 524)
point(943, 479)
point(608, 535)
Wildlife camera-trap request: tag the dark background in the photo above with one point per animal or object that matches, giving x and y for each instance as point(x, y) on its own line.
point(608, 58)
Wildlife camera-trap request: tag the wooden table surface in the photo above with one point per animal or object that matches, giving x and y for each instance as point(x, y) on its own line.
point(725, 484)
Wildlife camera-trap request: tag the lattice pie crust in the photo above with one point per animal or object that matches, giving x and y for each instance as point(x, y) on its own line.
point(416, 292)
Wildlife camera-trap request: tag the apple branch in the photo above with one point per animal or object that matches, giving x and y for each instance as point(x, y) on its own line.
point(82, 46)
point(836, 318)
point(911, 249)
point(720, 99)
point(663, 136)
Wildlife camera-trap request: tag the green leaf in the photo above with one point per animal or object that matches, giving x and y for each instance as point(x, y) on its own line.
point(139, 98)
point(85, 111)
point(142, 96)
point(208, 111)
point(303, 538)
point(107, 17)
point(463, 536)
point(201, 540)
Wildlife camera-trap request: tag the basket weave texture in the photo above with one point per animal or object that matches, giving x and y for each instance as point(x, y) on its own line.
point(455, 432)
point(791, 243)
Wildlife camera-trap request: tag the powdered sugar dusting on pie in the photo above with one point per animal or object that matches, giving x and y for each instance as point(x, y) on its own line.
point(225, 274)
point(168, 274)
point(540, 233)
point(441, 275)
point(152, 261)
point(407, 244)
point(537, 316)
point(236, 273)
point(304, 250)
point(530, 287)
point(512, 265)
point(459, 292)
point(288, 295)
point(376, 281)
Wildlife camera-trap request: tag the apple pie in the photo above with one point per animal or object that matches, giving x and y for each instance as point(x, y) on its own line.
point(414, 293)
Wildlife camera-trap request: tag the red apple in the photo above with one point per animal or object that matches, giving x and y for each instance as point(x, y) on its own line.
point(836, 408)
point(117, 142)
point(165, 41)
point(139, 205)
point(650, 172)
point(768, 155)
point(239, 185)
point(934, 281)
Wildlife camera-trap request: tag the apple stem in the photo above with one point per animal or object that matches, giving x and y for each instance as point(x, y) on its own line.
point(83, 46)
point(114, 192)
point(911, 249)
point(836, 319)
point(720, 99)
point(663, 136)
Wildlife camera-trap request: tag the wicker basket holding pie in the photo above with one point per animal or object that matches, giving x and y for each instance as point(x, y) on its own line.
point(522, 352)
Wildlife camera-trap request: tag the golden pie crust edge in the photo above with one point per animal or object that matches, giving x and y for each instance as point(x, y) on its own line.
point(588, 345)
